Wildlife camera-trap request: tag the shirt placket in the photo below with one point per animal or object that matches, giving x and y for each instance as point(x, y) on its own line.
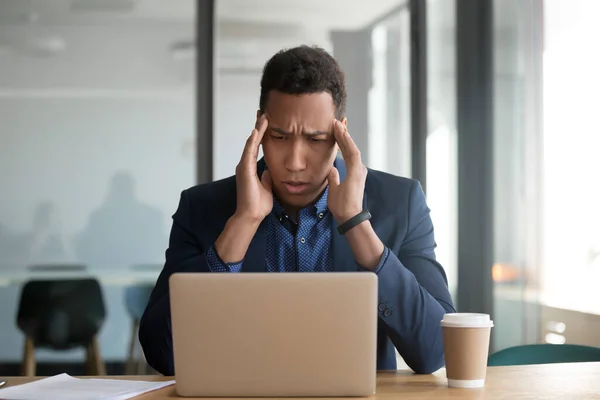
point(303, 252)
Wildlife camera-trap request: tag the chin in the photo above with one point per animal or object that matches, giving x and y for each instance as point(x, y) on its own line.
point(296, 200)
point(300, 200)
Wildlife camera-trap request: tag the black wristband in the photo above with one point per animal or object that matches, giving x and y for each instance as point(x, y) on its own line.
point(352, 222)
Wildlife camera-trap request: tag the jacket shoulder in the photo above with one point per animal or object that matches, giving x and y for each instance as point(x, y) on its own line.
point(383, 185)
point(213, 200)
point(217, 190)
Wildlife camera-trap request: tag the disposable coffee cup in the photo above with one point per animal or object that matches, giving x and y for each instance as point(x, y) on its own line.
point(466, 347)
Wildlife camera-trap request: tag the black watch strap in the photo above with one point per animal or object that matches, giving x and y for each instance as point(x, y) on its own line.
point(352, 222)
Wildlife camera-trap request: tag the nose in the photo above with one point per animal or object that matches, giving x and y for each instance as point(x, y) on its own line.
point(295, 160)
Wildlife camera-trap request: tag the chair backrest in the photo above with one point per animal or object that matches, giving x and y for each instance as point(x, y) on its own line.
point(544, 354)
point(61, 314)
point(136, 299)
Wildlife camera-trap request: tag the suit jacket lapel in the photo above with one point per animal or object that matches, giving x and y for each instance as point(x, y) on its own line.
point(343, 258)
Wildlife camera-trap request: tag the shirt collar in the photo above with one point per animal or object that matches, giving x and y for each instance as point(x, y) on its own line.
point(321, 204)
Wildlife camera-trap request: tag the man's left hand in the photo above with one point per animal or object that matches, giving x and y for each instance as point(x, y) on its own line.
point(345, 199)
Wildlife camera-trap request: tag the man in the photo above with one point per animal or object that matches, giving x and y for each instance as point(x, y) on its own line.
point(282, 214)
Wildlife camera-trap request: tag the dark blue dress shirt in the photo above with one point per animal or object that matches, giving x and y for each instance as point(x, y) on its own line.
point(304, 246)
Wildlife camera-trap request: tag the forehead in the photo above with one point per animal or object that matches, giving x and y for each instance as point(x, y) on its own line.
point(311, 110)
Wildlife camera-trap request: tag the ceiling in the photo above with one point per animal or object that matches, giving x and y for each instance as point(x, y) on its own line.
point(148, 44)
point(84, 12)
point(336, 14)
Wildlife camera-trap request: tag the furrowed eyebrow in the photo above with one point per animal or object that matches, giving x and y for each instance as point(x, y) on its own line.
point(280, 131)
point(309, 134)
point(315, 133)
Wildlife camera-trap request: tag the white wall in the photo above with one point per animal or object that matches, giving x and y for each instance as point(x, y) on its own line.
point(65, 151)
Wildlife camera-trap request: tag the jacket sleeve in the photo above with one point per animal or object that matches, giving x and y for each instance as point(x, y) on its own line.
point(183, 255)
point(413, 292)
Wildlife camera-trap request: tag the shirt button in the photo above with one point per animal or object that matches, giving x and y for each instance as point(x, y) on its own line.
point(302, 240)
point(320, 215)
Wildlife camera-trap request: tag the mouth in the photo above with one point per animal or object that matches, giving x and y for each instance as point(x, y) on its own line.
point(295, 187)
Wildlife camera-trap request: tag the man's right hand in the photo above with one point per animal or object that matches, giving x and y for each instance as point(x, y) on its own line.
point(254, 194)
point(254, 201)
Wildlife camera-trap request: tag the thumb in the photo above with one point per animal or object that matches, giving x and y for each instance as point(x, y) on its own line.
point(265, 180)
point(334, 177)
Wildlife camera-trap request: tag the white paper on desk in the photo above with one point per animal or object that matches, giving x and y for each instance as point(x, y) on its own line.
point(65, 387)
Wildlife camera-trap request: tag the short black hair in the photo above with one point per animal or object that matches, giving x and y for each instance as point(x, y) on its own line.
point(303, 70)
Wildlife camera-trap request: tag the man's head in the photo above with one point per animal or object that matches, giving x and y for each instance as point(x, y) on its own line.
point(302, 93)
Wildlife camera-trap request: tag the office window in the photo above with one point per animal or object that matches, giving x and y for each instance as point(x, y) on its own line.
point(442, 135)
point(97, 140)
point(249, 33)
point(547, 218)
point(571, 193)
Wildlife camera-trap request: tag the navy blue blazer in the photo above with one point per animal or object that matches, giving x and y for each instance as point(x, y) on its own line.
point(413, 289)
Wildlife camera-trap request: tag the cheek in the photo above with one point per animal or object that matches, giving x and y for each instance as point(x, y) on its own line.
point(329, 151)
point(271, 154)
point(323, 156)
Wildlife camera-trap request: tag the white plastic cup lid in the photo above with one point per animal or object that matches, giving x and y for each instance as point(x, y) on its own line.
point(467, 320)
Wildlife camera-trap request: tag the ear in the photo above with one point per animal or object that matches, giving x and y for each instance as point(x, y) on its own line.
point(344, 121)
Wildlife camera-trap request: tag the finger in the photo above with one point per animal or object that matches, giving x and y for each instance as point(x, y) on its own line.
point(349, 149)
point(338, 133)
point(250, 153)
point(333, 178)
point(263, 124)
point(247, 148)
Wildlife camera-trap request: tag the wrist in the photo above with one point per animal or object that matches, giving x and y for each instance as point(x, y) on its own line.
point(354, 221)
point(245, 220)
point(366, 245)
point(233, 242)
point(346, 215)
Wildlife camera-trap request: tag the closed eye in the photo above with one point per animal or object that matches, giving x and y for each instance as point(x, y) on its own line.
point(318, 137)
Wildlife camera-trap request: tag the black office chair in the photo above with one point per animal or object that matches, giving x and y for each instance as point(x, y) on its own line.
point(62, 314)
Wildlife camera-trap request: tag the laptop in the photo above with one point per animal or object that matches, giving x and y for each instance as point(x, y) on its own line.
point(274, 334)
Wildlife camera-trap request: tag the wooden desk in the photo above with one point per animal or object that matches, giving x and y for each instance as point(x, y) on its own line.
point(560, 381)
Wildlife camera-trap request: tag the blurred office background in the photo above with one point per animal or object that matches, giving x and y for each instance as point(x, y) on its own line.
point(110, 108)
